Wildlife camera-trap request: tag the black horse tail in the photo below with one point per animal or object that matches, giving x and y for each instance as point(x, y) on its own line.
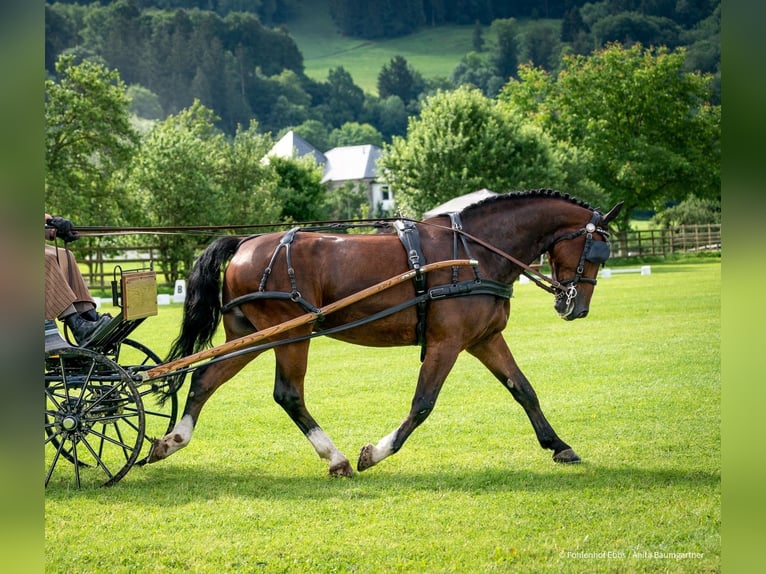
point(202, 306)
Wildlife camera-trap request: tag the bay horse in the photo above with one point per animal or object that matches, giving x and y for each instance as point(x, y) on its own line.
point(274, 277)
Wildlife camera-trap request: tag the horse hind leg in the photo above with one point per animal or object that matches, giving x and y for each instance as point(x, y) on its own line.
point(288, 393)
point(496, 356)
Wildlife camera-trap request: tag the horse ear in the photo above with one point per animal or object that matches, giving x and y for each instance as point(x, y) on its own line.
point(612, 213)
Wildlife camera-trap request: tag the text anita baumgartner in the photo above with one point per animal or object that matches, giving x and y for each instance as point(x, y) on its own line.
point(643, 555)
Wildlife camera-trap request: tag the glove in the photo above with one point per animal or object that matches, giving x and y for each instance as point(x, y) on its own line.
point(63, 229)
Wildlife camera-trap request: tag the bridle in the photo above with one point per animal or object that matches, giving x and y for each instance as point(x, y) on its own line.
point(594, 251)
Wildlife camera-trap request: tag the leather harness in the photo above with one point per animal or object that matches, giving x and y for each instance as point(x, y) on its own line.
point(409, 236)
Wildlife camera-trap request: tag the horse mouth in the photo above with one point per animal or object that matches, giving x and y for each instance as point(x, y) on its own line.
point(570, 315)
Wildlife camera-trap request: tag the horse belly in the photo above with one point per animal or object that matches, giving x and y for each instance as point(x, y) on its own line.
point(394, 330)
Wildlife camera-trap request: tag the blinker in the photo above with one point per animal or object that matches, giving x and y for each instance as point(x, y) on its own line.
point(598, 252)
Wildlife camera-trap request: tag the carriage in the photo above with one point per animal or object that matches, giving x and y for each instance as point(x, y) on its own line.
point(442, 284)
point(99, 413)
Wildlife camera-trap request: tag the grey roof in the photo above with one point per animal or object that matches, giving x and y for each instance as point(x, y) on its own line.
point(351, 163)
point(458, 203)
point(292, 145)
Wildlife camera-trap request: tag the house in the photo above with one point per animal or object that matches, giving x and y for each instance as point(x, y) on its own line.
point(356, 165)
point(291, 145)
point(346, 165)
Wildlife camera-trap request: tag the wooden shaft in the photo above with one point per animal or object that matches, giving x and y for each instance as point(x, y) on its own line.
point(249, 340)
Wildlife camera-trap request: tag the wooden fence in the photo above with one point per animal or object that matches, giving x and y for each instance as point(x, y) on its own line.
point(661, 242)
point(98, 262)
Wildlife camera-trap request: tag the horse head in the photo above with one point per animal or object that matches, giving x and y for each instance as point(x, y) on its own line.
point(575, 258)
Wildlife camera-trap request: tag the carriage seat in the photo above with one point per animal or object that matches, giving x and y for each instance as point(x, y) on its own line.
point(136, 295)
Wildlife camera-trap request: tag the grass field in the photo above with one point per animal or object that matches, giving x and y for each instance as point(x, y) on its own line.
point(634, 388)
point(432, 52)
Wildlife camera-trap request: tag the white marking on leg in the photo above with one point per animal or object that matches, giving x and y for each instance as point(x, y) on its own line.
point(181, 434)
point(384, 448)
point(325, 447)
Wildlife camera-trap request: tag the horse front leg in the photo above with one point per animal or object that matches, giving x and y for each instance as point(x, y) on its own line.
point(204, 382)
point(433, 372)
point(288, 393)
point(494, 353)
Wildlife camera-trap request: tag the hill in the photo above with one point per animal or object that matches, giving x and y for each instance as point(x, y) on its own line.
point(434, 52)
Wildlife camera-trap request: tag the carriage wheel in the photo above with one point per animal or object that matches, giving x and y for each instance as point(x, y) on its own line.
point(94, 419)
point(160, 414)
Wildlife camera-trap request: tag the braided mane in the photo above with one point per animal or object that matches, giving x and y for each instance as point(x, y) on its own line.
point(548, 193)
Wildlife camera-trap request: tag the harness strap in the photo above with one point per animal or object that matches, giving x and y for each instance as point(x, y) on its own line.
point(279, 295)
point(286, 242)
point(457, 228)
point(410, 238)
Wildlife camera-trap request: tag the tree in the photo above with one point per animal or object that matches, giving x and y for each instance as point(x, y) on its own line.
point(398, 78)
point(354, 133)
point(506, 55)
point(477, 38)
point(175, 174)
point(345, 99)
point(299, 188)
point(391, 116)
point(474, 70)
point(540, 44)
point(88, 138)
point(462, 142)
point(691, 211)
point(248, 185)
point(648, 129)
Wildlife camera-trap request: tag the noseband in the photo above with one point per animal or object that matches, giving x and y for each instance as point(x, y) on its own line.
point(594, 251)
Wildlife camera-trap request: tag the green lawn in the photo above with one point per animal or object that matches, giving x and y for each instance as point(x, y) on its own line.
point(434, 52)
point(634, 388)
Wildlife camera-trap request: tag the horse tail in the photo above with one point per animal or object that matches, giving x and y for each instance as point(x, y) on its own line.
point(202, 306)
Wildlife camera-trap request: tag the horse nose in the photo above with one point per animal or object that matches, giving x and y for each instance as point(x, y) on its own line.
point(582, 314)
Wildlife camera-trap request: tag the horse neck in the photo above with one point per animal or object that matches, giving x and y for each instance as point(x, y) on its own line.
point(523, 228)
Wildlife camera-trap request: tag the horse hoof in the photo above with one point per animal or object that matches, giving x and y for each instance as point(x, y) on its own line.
point(342, 470)
point(365, 458)
point(158, 451)
point(566, 456)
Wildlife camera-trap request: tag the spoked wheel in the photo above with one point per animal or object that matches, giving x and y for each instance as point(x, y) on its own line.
point(94, 419)
point(159, 396)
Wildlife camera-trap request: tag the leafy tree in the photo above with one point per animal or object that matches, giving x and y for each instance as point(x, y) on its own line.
point(398, 78)
point(506, 54)
point(354, 133)
point(248, 186)
point(630, 27)
point(462, 142)
point(540, 44)
point(144, 103)
point(299, 189)
point(344, 99)
point(474, 70)
point(175, 174)
point(88, 138)
point(389, 115)
point(647, 128)
point(691, 211)
point(313, 131)
point(346, 202)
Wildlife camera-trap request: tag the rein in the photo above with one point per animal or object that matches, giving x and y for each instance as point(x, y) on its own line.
point(534, 275)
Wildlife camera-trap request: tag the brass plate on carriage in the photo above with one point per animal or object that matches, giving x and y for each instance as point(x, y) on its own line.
point(139, 294)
